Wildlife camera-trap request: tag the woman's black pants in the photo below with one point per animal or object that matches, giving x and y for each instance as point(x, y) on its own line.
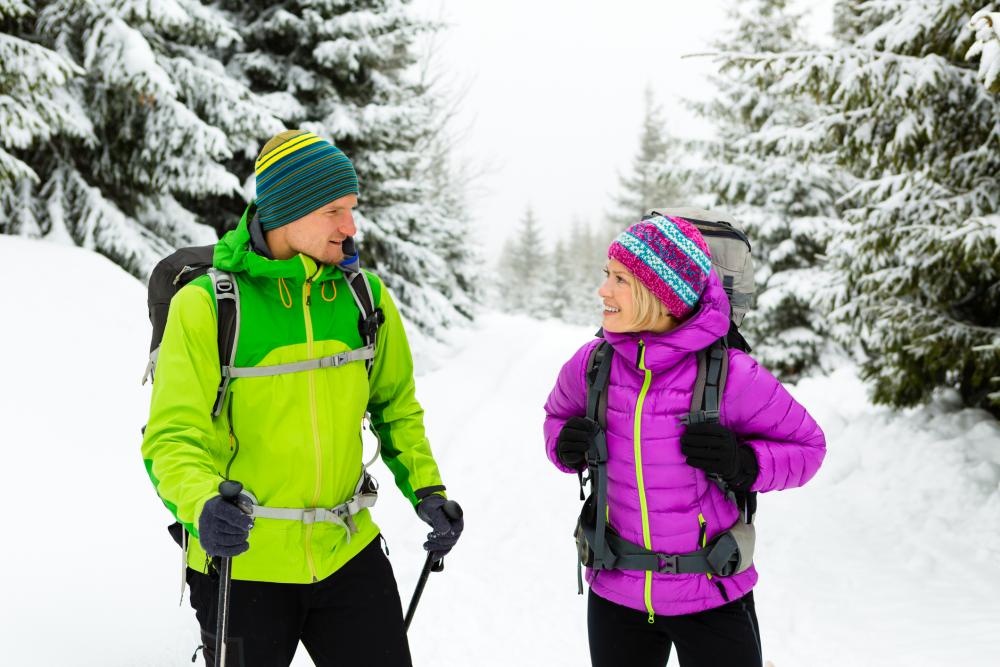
point(727, 636)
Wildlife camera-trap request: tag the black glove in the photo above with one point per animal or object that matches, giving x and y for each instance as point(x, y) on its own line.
point(574, 442)
point(716, 450)
point(445, 531)
point(223, 528)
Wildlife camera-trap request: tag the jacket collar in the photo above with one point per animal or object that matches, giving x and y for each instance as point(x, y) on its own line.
point(235, 253)
point(708, 323)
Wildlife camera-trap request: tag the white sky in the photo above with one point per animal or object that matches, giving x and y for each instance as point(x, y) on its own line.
point(554, 96)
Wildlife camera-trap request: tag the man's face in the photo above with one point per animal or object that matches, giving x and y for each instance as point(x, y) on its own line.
point(321, 233)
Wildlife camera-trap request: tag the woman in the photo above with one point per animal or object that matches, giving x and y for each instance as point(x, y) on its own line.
point(662, 304)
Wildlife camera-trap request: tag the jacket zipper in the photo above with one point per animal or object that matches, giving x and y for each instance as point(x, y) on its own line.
point(234, 442)
point(314, 415)
point(636, 437)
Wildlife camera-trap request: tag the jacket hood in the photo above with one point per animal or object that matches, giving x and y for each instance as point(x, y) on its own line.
point(708, 323)
point(235, 254)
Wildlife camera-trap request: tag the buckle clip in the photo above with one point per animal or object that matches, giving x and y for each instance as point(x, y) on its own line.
point(666, 563)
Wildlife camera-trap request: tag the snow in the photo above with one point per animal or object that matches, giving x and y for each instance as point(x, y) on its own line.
point(889, 557)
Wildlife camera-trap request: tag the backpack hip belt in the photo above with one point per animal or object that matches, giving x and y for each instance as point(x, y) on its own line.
point(365, 495)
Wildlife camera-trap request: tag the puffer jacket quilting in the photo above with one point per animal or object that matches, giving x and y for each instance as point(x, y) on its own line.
point(787, 442)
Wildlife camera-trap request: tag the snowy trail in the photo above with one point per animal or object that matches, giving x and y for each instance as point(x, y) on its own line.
point(858, 568)
point(889, 557)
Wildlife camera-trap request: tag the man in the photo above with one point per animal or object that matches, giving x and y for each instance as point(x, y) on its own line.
point(293, 439)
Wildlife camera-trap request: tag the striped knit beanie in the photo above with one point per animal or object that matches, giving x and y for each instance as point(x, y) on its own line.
point(670, 257)
point(298, 172)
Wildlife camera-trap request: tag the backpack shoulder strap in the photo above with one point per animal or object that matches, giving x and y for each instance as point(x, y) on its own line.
point(598, 371)
point(713, 370)
point(227, 307)
point(370, 318)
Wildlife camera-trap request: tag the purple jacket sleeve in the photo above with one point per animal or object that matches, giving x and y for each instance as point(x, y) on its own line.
point(788, 443)
point(567, 399)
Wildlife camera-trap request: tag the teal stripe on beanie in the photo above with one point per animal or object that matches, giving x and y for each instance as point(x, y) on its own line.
point(689, 247)
point(638, 247)
point(297, 173)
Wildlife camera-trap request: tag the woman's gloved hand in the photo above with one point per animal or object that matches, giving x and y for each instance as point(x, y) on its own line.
point(574, 441)
point(716, 450)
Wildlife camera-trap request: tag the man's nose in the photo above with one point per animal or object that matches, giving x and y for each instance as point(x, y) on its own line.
point(347, 226)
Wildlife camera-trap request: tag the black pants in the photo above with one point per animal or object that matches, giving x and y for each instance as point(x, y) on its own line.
point(726, 636)
point(353, 617)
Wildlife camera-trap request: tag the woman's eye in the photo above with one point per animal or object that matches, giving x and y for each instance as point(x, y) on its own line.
point(621, 281)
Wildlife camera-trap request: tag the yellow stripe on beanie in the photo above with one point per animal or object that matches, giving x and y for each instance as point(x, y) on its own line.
point(284, 149)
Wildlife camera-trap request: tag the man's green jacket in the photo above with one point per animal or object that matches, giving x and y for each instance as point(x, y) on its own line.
point(293, 440)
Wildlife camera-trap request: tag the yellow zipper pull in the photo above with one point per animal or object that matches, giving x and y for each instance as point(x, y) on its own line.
point(309, 292)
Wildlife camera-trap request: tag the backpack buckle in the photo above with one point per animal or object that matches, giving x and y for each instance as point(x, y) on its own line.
point(666, 563)
point(368, 326)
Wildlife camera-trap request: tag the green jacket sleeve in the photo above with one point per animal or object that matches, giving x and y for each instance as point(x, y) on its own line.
point(176, 444)
point(396, 415)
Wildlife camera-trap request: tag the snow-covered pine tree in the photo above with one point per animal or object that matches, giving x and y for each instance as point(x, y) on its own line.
point(522, 270)
point(920, 259)
point(986, 25)
point(160, 116)
point(756, 170)
point(586, 255)
point(35, 108)
point(652, 179)
point(348, 70)
point(559, 282)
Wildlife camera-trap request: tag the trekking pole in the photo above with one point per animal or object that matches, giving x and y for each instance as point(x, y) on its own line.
point(230, 492)
point(453, 511)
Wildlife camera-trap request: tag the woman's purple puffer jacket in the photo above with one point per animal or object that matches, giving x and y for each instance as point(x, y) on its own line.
point(674, 499)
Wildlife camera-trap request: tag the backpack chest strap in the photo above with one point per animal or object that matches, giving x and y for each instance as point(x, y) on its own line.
point(332, 361)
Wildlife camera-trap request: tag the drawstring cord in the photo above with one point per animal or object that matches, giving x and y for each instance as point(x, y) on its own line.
point(282, 290)
point(322, 291)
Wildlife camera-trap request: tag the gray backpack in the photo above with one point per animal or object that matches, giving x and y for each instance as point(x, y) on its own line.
point(730, 253)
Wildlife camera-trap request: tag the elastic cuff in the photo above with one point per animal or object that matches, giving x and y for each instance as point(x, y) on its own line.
point(429, 490)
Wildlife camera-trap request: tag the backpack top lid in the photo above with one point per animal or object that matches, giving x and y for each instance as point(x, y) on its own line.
point(730, 250)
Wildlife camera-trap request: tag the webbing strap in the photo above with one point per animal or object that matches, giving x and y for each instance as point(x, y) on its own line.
point(227, 306)
point(365, 495)
point(365, 301)
point(632, 556)
point(332, 361)
point(597, 455)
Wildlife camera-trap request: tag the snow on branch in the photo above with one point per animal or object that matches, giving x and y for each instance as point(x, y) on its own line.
point(986, 25)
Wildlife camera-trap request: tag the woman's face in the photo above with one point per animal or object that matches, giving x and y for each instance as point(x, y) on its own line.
point(616, 293)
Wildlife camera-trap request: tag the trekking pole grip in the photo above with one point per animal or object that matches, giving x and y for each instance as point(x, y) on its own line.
point(230, 490)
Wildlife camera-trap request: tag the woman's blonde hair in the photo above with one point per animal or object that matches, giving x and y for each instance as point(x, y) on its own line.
point(648, 309)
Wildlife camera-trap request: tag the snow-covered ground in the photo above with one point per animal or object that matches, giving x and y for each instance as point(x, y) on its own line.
point(889, 557)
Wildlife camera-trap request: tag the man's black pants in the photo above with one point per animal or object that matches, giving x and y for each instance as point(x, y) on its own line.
point(353, 617)
point(726, 636)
